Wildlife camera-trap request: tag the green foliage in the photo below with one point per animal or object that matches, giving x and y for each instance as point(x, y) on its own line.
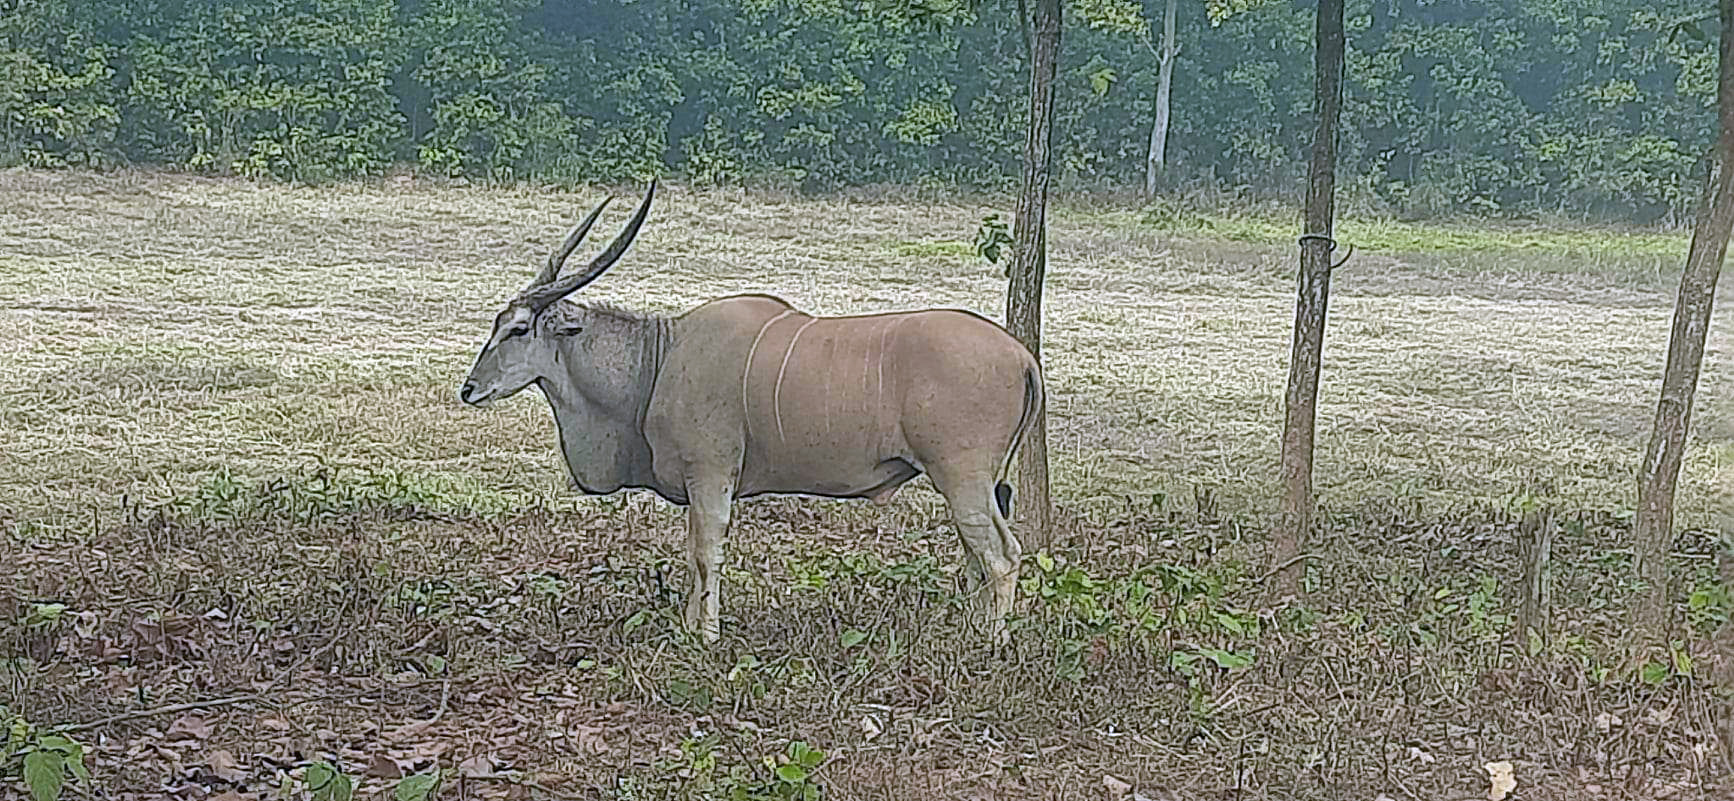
point(322, 496)
point(290, 89)
point(1461, 613)
point(1598, 107)
point(327, 783)
point(1117, 16)
point(43, 760)
point(792, 777)
point(992, 237)
point(706, 769)
point(1150, 604)
point(420, 787)
point(56, 89)
point(492, 112)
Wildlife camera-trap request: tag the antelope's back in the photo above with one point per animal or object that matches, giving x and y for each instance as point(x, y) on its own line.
point(847, 406)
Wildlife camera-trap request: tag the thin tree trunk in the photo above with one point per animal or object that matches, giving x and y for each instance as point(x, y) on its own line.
point(1295, 523)
point(1029, 266)
point(1660, 472)
point(1158, 158)
point(1534, 606)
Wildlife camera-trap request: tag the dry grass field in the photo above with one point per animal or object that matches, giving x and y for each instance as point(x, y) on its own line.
point(234, 472)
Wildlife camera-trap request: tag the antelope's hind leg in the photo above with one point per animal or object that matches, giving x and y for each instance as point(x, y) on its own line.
point(993, 553)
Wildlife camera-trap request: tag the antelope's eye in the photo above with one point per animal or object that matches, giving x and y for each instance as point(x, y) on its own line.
point(518, 331)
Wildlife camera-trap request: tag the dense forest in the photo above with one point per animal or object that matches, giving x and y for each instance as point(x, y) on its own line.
point(1583, 107)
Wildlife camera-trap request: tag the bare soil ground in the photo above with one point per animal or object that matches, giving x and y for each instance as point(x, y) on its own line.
point(233, 454)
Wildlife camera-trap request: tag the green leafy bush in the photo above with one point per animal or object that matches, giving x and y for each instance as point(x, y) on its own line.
point(1449, 108)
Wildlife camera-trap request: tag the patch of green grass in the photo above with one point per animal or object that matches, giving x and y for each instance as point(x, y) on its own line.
point(943, 249)
point(1270, 226)
point(312, 497)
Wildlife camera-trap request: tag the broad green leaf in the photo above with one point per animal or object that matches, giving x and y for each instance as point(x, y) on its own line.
point(75, 762)
point(1102, 80)
point(418, 787)
point(792, 773)
point(17, 732)
point(1228, 660)
point(853, 637)
point(342, 788)
point(41, 614)
point(44, 772)
point(328, 784)
point(1654, 673)
point(1682, 662)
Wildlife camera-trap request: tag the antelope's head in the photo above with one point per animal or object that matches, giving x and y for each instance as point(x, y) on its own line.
point(528, 333)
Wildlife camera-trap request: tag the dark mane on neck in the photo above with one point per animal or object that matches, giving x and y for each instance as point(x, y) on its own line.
point(609, 310)
point(618, 312)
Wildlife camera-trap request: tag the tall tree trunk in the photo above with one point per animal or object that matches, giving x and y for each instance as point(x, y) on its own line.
point(1158, 158)
point(1654, 533)
point(1023, 300)
point(1296, 520)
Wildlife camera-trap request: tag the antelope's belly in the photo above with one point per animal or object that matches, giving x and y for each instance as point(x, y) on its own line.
point(838, 472)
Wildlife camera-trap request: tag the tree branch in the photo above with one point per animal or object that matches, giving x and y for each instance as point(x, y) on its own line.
point(162, 710)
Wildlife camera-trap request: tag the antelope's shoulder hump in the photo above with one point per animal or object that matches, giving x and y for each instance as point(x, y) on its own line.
point(738, 310)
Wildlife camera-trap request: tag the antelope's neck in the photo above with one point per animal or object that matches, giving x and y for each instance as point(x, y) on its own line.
point(659, 335)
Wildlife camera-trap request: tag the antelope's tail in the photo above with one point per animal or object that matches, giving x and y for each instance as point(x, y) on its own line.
point(1035, 400)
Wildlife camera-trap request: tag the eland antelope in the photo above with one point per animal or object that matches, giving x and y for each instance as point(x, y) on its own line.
point(746, 395)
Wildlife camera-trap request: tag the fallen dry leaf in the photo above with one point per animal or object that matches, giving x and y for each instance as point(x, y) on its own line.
point(1159, 794)
point(1499, 774)
point(1117, 789)
point(479, 766)
point(589, 740)
point(191, 727)
point(384, 768)
point(223, 766)
point(409, 730)
point(231, 795)
point(431, 750)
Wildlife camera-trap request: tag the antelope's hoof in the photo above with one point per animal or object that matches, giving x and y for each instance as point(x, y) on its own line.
point(708, 631)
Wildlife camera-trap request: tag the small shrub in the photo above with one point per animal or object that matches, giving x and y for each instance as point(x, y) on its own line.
point(44, 761)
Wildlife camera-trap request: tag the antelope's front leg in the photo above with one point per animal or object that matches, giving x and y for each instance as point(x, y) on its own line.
point(707, 522)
